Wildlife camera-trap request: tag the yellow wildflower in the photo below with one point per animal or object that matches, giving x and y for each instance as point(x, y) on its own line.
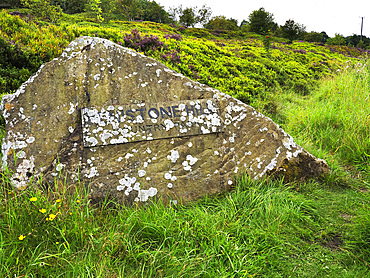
point(51, 217)
point(78, 201)
point(33, 199)
point(58, 200)
point(21, 237)
point(42, 210)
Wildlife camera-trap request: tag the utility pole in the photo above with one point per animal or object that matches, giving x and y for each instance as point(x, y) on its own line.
point(362, 24)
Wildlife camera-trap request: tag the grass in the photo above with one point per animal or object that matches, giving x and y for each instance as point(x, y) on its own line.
point(334, 121)
point(260, 229)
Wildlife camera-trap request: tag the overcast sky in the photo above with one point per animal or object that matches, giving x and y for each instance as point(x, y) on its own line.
point(331, 16)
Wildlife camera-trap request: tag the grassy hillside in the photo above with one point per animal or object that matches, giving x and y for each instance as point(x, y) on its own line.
point(242, 67)
point(320, 228)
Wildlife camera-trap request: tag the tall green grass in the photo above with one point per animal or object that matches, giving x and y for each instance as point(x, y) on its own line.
point(335, 118)
point(261, 229)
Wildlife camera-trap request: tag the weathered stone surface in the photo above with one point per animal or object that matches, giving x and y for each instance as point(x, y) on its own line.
point(86, 115)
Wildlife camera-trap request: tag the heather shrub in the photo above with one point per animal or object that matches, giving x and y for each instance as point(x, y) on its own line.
point(176, 37)
point(142, 43)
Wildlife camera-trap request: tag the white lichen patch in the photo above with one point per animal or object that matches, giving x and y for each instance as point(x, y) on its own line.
point(93, 172)
point(20, 177)
point(186, 165)
point(288, 142)
point(290, 155)
point(169, 176)
point(72, 108)
point(189, 162)
point(263, 129)
point(59, 167)
point(128, 183)
point(141, 173)
point(30, 140)
point(174, 156)
point(21, 154)
point(128, 155)
point(192, 160)
point(144, 195)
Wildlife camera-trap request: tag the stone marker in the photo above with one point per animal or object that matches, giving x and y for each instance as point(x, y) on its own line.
point(125, 125)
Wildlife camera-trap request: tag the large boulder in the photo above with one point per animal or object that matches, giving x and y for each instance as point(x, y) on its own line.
point(109, 118)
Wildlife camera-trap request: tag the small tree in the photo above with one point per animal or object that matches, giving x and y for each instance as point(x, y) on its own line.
point(261, 22)
point(203, 15)
point(221, 23)
point(360, 44)
point(187, 17)
point(130, 9)
point(244, 26)
point(71, 6)
point(313, 37)
point(353, 40)
point(93, 7)
point(190, 16)
point(155, 13)
point(337, 40)
point(325, 37)
point(108, 7)
point(292, 30)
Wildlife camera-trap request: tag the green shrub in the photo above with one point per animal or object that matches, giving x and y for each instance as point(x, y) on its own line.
point(16, 65)
point(43, 9)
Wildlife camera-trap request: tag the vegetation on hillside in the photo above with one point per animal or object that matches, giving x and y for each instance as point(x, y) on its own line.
point(318, 93)
point(243, 68)
point(259, 21)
